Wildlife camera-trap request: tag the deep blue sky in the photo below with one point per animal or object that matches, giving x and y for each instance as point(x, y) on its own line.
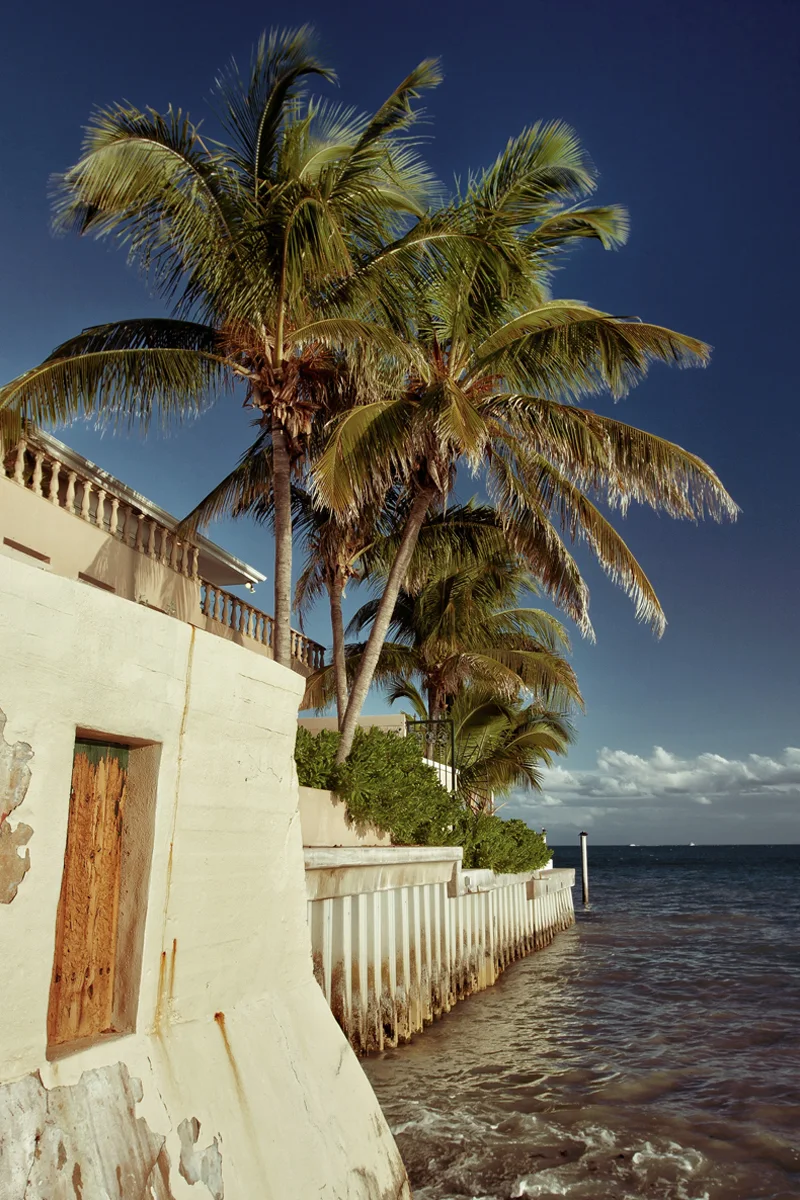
point(690, 112)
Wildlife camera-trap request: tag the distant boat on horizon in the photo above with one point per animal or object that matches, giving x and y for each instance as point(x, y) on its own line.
point(631, 843)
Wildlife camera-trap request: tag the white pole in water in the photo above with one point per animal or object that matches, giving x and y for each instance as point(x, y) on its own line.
point(585, 869)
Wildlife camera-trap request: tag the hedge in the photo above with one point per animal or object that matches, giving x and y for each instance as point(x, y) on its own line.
point(386, 782)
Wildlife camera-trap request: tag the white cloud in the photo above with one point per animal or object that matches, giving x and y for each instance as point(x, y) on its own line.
point(664, 791)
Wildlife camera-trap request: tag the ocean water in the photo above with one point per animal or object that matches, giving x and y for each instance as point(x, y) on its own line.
point(651, 1051)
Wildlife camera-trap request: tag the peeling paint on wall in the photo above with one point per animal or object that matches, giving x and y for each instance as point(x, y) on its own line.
point(200, 1166)
point(15, 776)
point(82, 1142)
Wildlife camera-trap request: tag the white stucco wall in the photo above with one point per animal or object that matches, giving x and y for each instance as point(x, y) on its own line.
point(232, 1029)
point(324, 822)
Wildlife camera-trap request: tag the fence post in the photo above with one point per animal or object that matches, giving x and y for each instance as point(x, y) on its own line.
point(585, 869)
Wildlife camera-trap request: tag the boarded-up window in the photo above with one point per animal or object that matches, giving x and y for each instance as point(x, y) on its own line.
point(89, 995)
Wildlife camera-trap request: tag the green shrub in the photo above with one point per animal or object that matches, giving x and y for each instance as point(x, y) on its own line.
point(314, 757)
point(385, 782)
point(498, 845)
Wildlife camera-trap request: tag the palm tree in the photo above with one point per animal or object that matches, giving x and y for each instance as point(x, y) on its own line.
point(248, 242)
point(362, 548)
point(501, 745)
point(462, 624)
point(506, 367)
point(333, 544)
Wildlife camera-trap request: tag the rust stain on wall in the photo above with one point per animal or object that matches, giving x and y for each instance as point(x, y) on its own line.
point(200, 1166)
point(219, 1017)
point(82, 1142)
point(172, 969)
point(15, 776)
point(162, 975)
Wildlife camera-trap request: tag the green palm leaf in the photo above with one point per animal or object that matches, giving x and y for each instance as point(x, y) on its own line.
point(126, 386)
point(254, 110)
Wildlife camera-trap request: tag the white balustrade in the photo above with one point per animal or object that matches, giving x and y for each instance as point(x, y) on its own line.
point(36, 482)
point(55, 470)
point(114, 516)
point(122, 531)
point(226, 609)
point(96, 506)
point(19, 463)
point(69, 499)
point(86, 500)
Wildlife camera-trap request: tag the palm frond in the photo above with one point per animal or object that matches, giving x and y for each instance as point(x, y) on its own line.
point(347, 333)
point(532, 475)
point(543, 165)
point(254, 110)
point(389, 165)
point(566, 348)
point(320, 689)
point(404, 689)
point(119, 386)
point(244, 490)
point(532, 535)
point(500, 746)
point(149, 180)
point(619, 461)
point(141, 333)
point(377, 432)
point(607, 224)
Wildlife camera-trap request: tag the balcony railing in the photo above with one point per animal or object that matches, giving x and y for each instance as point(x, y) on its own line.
point(236, 614)
point(44, 475)
point(38, 471)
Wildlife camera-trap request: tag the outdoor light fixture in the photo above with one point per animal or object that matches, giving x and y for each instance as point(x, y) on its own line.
point(251, 587)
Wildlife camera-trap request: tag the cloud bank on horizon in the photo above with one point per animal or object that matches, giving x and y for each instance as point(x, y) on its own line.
point(667, 799)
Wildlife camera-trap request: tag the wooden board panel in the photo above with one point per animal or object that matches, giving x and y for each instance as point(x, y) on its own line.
point(82, 989)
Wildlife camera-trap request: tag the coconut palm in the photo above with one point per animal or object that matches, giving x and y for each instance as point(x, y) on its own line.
point(501, 745)
point(247, 241)
point(506, 368)
point(464, 625)
point(332, 544)
point(363, 547)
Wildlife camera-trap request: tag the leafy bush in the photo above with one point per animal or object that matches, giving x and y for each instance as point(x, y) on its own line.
point(385, 782)
point(507, 847)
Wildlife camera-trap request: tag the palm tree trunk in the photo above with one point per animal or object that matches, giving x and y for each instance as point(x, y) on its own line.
point(383, 617)
point(337, 626)
point(282, 495)
point(437, 703)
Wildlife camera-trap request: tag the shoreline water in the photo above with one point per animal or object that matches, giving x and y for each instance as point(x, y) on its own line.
point(651, 1051)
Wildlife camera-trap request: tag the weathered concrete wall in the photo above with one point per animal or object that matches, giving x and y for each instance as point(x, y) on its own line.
point(399, 936)
point(237, 1077)
point(324, 822)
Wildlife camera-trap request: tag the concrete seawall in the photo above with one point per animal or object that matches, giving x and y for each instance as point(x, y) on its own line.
point(399, 935)
point(169, 1042)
